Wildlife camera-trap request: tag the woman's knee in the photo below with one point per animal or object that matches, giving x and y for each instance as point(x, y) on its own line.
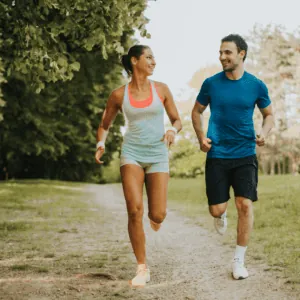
point(157, 217)
point(136, 214)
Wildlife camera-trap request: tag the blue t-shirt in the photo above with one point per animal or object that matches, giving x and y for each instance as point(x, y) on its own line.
point(232, 104)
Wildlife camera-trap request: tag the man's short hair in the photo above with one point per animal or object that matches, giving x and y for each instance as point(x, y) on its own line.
point(239, 41)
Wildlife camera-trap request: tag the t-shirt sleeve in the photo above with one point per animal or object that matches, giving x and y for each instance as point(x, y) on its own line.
point(203, 97)
point(263, 99)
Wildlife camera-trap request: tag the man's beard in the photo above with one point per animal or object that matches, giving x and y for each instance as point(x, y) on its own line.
point(230, 68)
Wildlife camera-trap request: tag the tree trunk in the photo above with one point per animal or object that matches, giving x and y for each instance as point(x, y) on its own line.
point(272, 165)
point(279, 169)
point(290, 166)
point(265, 164)
point(284, 165)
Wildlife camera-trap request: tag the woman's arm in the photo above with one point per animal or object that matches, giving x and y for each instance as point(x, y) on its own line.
point(113, 106)
point(172, 113)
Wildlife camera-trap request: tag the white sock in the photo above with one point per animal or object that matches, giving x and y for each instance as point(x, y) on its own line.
point(240, 253)
point(142, 266)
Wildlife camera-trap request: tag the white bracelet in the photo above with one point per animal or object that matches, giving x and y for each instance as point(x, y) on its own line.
point(100, 144)
point(172, 129)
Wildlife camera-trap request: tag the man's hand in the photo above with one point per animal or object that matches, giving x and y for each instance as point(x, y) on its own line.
point(100, 151)
point(205, 145)
point(260, 140)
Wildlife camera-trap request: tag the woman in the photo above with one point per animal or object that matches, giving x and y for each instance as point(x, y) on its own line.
point(144, 154)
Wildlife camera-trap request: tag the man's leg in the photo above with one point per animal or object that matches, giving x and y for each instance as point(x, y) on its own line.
point(245, 188)
point(219, 212)
point(245, 220)
point(244, 228)
point(217, 180)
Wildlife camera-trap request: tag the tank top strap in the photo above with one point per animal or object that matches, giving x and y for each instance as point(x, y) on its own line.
point(154, 91)
point(126, 95)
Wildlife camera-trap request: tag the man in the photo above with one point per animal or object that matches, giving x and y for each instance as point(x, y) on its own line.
point(231, 141)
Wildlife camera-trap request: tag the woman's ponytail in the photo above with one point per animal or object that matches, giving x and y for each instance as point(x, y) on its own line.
point(127, 64)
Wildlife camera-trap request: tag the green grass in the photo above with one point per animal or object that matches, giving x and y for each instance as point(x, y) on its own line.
point(49, 255)
point(14, 226)
point(27, 268)
point(51, 229)
point(20, 267)
point(276, 235)
point(38, 220)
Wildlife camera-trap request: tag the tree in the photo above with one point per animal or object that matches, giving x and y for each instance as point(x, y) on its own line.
point(274, 57)
point(187, 161)
point(60, 60)
point(186, 158)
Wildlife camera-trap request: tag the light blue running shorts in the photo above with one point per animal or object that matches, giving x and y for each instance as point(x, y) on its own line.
point(159, 167)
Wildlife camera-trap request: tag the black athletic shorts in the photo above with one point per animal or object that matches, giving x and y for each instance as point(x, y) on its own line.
point(240, 173)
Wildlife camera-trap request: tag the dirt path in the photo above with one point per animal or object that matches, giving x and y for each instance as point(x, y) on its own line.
point(188, 262)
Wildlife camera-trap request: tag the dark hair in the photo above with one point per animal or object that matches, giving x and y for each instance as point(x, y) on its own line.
point(239, 41)
point(135, 51)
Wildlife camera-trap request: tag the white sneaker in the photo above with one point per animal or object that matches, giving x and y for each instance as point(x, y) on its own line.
point(221, 224)
point(142, 276)
point(238, 270)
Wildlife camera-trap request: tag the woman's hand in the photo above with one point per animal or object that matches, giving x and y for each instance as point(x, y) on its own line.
point(169, 138)
point(99, 152)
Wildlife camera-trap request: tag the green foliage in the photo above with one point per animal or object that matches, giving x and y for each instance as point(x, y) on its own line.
point(60, 61)
point(186, 160)
point(111, 172)
point(46, 38)
point(2, 80)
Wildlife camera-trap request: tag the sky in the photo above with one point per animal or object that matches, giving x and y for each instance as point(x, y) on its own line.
point(186, 34)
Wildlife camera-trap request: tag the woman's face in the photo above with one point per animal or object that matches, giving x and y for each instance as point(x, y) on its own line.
point(145, 63)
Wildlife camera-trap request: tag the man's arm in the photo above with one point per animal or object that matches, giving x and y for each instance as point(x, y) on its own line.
point(197, 119)
point(267, 125)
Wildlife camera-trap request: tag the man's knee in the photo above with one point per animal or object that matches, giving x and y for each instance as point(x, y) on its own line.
point(217, 210)
point(244, 206)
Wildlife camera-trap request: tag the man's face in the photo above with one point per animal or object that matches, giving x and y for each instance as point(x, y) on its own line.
point(229, 57)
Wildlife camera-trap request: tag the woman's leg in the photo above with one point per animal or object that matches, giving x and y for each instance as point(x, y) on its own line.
point(157, 189)
point(133, 178)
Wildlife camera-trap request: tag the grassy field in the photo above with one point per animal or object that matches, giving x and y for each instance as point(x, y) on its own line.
point(36, 217)
point(51, 233)
point(276, 235)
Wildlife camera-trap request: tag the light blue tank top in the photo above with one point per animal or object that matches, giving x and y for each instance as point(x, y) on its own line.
point(144, 130)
